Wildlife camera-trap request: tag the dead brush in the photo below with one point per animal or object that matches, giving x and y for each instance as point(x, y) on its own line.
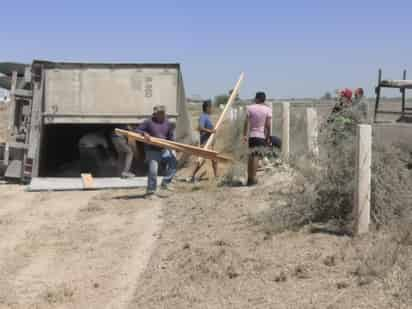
point(229, 140)
point(328, 182)
point(388, 261)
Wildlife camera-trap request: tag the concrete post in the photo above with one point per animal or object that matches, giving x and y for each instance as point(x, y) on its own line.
point(363, 179)
point(12, 105)
point(312, 131)
point(285, 130)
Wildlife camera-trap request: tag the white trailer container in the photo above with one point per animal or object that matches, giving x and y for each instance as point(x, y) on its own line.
point(63, 101)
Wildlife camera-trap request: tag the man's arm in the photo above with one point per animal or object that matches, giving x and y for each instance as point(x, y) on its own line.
point(207, 130)
point(202, 126)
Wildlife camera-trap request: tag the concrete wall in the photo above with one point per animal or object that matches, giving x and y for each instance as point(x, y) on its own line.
point(383, 133)
point(298, 134)
point(393, 133)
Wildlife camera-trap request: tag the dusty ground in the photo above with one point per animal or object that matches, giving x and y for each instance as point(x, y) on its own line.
point(203, 247)
point(73, 249)
point(214, 253)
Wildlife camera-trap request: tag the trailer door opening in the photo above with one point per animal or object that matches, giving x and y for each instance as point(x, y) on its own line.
point(60, 155)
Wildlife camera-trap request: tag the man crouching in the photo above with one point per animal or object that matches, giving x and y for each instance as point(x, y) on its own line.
point(158, 126)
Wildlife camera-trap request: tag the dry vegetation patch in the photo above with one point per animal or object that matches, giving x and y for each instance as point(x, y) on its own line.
point(324, 187)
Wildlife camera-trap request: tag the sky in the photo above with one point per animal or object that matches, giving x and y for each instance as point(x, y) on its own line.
point(286, 48)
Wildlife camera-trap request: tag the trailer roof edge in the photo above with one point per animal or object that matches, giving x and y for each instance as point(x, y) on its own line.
point(55, 65)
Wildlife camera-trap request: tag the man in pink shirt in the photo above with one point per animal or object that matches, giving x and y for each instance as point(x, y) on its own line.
point(257, 132)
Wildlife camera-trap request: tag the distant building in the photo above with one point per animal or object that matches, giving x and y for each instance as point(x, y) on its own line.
point(195, 99)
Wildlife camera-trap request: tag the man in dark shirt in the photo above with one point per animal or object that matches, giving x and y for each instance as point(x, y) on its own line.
point(158, 126)
point(93, 147)
point(124, 152)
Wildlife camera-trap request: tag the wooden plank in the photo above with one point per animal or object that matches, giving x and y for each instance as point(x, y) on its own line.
point(189, 149)
point(88, 182)
point(232, 98)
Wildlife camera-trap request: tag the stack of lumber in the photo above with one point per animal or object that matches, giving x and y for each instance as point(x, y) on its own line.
point(163, 143)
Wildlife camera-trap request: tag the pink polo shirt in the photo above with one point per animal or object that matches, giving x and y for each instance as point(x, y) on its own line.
point(257, 114)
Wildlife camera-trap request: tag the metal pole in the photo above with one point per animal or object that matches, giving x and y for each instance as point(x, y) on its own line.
point(403, 95)
point(378, 94)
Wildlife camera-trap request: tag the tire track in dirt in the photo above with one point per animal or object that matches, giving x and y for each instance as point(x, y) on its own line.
point(23, 237)
point(88, 252)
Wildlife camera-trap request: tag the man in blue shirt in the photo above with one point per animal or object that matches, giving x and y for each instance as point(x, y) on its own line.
point(206, 129)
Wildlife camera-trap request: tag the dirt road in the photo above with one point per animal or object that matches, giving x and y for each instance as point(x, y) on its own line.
point(73, 249)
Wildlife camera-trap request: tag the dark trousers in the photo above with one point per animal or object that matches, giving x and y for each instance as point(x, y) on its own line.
point(89, 160)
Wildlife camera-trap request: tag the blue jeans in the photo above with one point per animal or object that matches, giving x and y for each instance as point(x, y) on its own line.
point(155, 157)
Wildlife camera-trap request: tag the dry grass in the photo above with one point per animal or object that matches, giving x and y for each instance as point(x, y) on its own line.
point(323, 190)
point(386, 259)
point(323, 193)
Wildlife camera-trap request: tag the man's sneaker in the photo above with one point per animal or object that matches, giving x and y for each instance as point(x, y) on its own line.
point(150, 195)
point(251, 183)
point(127, 175)
point(167, 187)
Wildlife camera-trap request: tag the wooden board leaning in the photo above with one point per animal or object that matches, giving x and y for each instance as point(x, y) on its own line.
point(188, 149)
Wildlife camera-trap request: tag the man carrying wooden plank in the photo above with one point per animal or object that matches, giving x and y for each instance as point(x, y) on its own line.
point(158, 126)
point(257, 133)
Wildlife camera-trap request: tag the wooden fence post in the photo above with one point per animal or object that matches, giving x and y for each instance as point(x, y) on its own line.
point(312, 131)
point(285, 130)
point(362, 194)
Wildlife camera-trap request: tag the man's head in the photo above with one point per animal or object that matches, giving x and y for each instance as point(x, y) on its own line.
point(260, 97)
point(359, 93)
point(345, 97)
point(159, 113)
point(207, 107)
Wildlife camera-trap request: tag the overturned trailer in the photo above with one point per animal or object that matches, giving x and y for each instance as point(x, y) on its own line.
point(60, 102)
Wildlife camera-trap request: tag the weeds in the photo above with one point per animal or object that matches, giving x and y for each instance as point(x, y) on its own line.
point(328, 182)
